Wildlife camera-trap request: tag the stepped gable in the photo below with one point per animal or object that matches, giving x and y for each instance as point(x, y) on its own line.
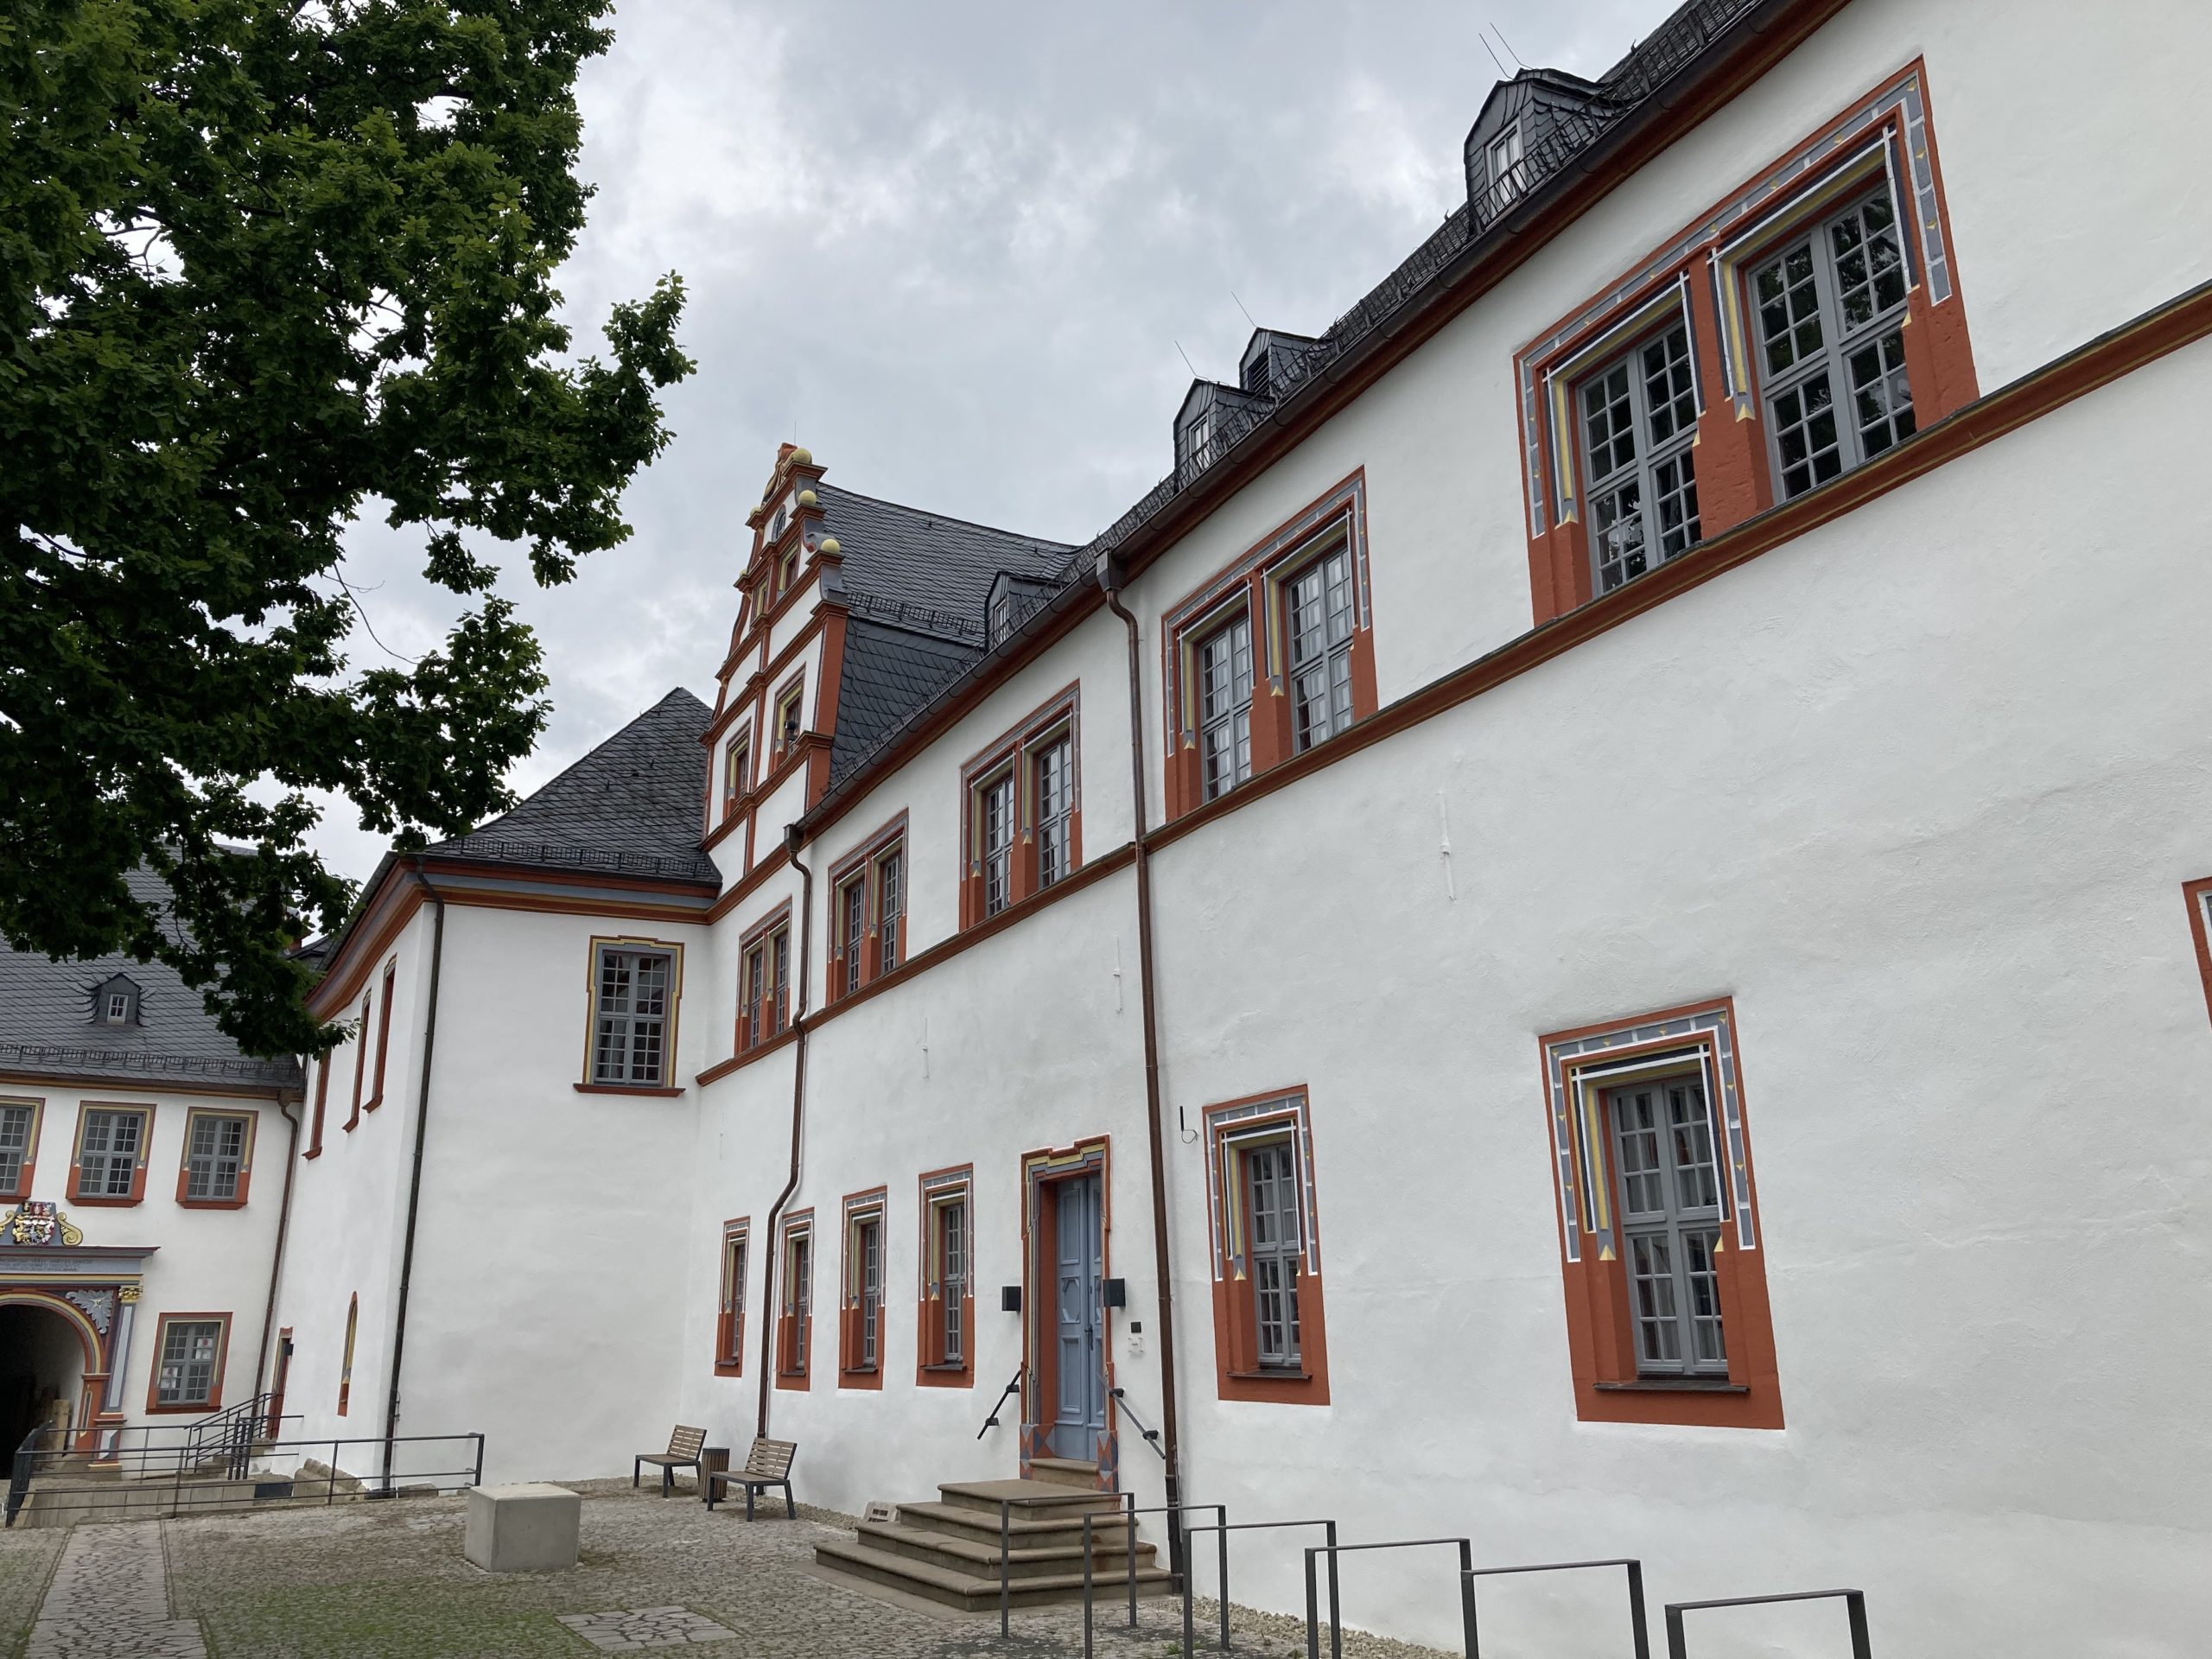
point(915, 584)
point(634, 804)
point(46, 1026)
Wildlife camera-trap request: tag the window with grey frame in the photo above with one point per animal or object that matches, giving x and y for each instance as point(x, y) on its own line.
point(1670, 1226)
point(186, 1373)
point(1272, 1214)
point(852, 901)
point(107, 1159)
point(1639, 423)
point(799, 1264)
point(734, 1290)
point(995, 801)
point(767, 981)
point(1225, 707)
point(1317, 603)
point(890, 906)
point(1053, 766)
point(1831, 312)
point(1507, 178)
point(630, 1039)
point(867, 1246)
point(737, 762)
point(215, 1158)
point(952, 1280)
point(15, 1144)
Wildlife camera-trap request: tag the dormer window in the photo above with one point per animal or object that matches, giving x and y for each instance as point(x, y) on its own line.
point(1506, 179)
point(116, 1002)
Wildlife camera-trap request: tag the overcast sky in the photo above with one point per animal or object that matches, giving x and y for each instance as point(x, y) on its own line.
point(952, 249)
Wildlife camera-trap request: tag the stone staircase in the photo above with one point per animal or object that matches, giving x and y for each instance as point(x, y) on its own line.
point(948, 1551)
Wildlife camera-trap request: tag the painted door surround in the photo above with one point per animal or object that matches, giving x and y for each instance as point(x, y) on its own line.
point(1067, 1225)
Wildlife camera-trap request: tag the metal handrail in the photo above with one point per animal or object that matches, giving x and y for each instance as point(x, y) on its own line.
point(1854, 1608)
point(152, 1466)
point(1006, 1506)
point(1224, 1529)
point(1639, 1631)
point(1129, 1559)
point(1151, 1435)
point(1336, 1625)
point(1011, 1390)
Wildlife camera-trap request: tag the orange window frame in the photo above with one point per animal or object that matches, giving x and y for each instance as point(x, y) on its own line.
point(1253, 584)
point(1579, 1067)
point(194, 1407)
point(1014, 751)
point(252, 1121)
point(854, 1369)
point(864, 867)
point(795, 1357)
point(321, 1098)
point(360, 1058)
point(2199, 897)
point(76, 1194)
point(1698, 276)
point(776, 998)
point(384, 1037)
point(791, 697)
point(729, 1309)
point(24, 1174)
point(941, 1189)
point(1233, 1129)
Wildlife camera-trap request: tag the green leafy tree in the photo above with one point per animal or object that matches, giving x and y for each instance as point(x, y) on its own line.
point(265, 264)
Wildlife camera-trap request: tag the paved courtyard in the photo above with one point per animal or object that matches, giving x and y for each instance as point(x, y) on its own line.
point(389, 1578)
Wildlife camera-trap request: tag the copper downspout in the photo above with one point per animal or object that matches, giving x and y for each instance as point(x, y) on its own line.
point(792, 842)
point(415, 1179)
point(1110, 581)
point(277, 1257)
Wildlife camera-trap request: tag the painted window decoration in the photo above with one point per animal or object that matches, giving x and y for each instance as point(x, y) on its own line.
point(384, 1039)
point(1225, 707)
point(1270, 1322)
point(795, 1313)
point(1022, 819)
point(1830, 345)
point(890, 908)
point(789, 717)
point(859, 1336)
point(737, 760)
point(729, 1311)
point(321, 1100)
point(947, 1293)
point(18, 1146)
point(1759, 353)
point(110, 1155)
point(360, 1041)
point(2198, 895)
point(1273, 654)
point(867, 939)
point(1665, 1273)
point(852, 906)
point(215, 1149)
point(1639, 423)
point(188, 1361)
point(346, 1356)
point(767, 964)
point(635, 991)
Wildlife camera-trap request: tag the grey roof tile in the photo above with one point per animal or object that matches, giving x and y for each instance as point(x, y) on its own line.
point(46, 1020)
point(889, 673)
point(922, 570)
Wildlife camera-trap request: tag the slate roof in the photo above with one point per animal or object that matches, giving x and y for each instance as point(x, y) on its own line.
point(889, 672)
point(923, 570)
point(46, 1021)
point(634, 804)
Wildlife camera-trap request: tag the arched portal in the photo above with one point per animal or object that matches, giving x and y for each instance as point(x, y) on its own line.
point(48, 1348)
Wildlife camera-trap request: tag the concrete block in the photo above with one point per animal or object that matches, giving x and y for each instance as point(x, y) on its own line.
point(529, 1528)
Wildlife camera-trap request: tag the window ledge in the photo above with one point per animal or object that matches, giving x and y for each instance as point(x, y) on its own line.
point(196, 1407)
point(860, 1371)
point(1674, 1385)
point(959, 1369)
point(625, 1088)
point(728, 1368)
point(1281, 1374)
point(211, 1204)
point(109, 1204)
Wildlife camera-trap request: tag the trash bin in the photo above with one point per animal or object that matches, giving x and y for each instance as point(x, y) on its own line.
point(712, 1460)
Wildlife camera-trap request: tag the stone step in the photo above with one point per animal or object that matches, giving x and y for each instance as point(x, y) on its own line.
point(1063, 1527)
point(1065, 1471)
point(1026, 1559)
point(971, 1591)
point(987, 1495)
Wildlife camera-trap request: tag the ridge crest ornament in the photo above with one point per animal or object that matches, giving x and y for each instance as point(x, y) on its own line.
point(39, 1222)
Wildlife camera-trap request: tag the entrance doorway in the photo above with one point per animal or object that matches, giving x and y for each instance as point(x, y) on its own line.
point(1079, 1370)
point(42, 1372)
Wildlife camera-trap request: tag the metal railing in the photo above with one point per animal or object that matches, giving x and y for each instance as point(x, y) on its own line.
point(1224, 1529)
point(1151, 1435)
point(1006, 1506)
point(1854, 1610)
point(1466, 1547)
point(1005, 1395)
point(1639, 1630)
point(1128, 1517)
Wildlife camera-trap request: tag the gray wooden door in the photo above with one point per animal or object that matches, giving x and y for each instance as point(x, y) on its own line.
point(1082, 1354)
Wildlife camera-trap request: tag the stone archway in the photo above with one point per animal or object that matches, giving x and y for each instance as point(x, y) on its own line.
point(49, 1353)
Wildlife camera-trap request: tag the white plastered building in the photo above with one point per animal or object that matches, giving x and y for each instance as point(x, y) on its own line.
point(1652, 1000)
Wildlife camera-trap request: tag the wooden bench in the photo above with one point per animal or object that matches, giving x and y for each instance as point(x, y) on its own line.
point(682, 1453)
point(767, 1466)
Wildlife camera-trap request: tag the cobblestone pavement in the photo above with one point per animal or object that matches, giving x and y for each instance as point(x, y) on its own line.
point(367, 1581)
point(110, 1599)
point(645, 1627)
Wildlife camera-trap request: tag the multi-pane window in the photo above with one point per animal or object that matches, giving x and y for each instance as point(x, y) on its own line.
point(15, 1145)
point(996, 829)
point(799, 1293)
point(1225, 707)
point(107, 1161)
point(767, 978)
point(1319, 605)
point(867, 1246)
point(890, 906)
point(1639, 419)
point(1670, 1226)
point(630, 1039)
point(1831, 319)
point(1505, 174)
point(190, 1351)
point(214, 1157)
point(787, 718)
point(791, 569)
point(119, 1007)
point(1271, 1186)
point(737, 760)
point(852, 905)
point(952, 1269)
point(733, 1308)
point(1054, 765)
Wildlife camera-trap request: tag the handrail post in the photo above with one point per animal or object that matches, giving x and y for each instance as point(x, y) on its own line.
point(1129, 1560)
point(1336, 1637)
point(1190, 1641)
point(1086, 1583)
point(1854, 1610)
point(1004, 1630)
point(1220, 1514)
point(1313, 1612)
point(1467, 1594)
point(1636, 1609)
